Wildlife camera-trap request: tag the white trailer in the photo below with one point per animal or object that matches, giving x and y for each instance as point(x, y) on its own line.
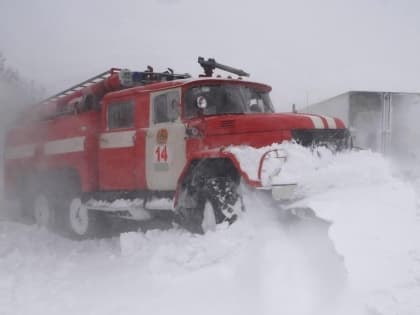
point(385, 122)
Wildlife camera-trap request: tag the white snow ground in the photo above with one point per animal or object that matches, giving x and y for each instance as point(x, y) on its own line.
point(256, 266)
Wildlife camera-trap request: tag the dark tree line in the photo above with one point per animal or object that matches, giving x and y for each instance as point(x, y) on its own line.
point(15, 90)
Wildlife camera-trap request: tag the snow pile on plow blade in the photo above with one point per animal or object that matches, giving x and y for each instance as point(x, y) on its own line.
point(287, 169)
point(262, 166)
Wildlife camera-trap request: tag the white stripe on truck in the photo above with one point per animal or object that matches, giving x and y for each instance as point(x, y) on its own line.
point(19, 151)
point(67, 145)
point(330, 122)
point(60, 146)
point(120, 139)
point(317, 121)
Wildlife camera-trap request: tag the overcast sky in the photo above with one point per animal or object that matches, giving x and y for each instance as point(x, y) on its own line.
point(307, 50)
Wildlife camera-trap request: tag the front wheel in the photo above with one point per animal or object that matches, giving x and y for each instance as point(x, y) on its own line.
point(217, 201)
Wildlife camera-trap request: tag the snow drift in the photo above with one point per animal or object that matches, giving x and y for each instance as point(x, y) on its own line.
point(259, 265)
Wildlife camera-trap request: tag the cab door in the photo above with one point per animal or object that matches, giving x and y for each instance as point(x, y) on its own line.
point(165, 141)
point(116, 146)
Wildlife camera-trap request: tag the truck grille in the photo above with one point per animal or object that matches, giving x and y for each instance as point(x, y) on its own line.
point(227, 124)
point(335, 139)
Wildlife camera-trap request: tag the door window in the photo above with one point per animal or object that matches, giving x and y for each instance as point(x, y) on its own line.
point(121, 115)
point(166, 107)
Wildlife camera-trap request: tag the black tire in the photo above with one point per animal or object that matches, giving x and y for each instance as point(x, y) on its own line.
point(28, 193)
point(218, 197)
point(44, 211)
point(72, 219)
point(37, 193)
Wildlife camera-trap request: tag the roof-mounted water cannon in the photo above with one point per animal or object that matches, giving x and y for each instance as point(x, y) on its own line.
point(210, 64)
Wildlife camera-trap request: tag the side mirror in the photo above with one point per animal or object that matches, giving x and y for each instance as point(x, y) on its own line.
point(201, 102)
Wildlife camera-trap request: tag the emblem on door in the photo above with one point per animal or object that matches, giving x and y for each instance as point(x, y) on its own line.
point(162, 136)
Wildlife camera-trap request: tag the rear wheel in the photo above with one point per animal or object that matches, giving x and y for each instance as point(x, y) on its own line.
point(43, 211)
point(83, 223)
point(29, 191)
point(78, 217)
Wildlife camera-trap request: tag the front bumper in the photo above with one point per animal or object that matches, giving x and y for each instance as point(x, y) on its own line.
point(281, 192)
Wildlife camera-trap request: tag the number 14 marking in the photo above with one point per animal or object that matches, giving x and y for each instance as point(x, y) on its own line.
point(161, 153)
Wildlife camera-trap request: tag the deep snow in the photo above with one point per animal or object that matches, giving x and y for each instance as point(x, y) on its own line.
point(257, 266)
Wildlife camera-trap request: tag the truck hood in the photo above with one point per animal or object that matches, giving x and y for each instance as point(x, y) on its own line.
point(257, 123)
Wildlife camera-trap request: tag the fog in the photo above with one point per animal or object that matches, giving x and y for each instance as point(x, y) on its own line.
point(307, 50)
point(367, 263)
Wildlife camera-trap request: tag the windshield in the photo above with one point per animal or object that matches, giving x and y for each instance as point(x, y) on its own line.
point(226, 99)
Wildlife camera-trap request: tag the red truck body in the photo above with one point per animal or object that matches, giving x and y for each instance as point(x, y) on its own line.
point(140, 139)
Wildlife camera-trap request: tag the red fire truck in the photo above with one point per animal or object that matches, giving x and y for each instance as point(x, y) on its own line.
point(142, 145)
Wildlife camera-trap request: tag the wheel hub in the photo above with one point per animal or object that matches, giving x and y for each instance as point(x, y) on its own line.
point(209, 218)
point(79, 218)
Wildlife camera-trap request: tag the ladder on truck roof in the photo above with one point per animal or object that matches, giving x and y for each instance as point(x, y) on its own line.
point(82, 85)
point(128, 78)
